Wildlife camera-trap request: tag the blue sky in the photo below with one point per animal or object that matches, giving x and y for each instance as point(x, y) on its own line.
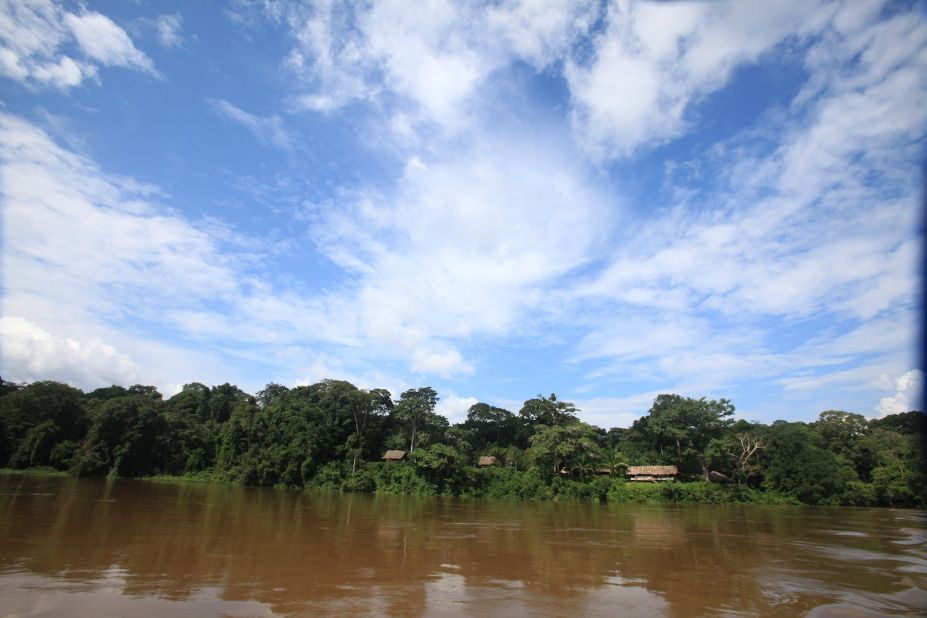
point(606, 200)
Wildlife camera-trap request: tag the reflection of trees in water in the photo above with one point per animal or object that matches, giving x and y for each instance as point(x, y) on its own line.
point(298, 551)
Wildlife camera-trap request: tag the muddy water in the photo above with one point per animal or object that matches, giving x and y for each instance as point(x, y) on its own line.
point(91, 547)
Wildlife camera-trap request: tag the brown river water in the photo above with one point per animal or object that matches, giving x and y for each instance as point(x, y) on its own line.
point(95, 547)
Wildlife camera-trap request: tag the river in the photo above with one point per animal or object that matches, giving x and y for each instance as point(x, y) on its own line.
point(97, 547)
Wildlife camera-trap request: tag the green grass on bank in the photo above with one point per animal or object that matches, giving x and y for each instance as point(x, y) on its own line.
point(40, 471)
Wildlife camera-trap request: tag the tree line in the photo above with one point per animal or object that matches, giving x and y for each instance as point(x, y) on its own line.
point(332, 435)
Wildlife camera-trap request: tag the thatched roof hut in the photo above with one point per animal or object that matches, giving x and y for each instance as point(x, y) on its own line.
point(652, 473)
point(394, 455)
point(487, 460)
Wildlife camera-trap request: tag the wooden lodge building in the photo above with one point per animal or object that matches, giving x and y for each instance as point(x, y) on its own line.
point(487, 461)
point(394, 456)
point(652, 474)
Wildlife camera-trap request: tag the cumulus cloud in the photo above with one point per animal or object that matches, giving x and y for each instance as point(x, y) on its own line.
point(33, 34)
point(909, 394)
point(455, 407)
point(607, 412)
point(31, 353)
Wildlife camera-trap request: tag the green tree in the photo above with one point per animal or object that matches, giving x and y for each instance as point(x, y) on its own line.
point(490, 424)
point(37, 417)
point(840, 431)
point(126, 438)
point(441, 465)
point(366, 407)
point(686, 426)
point(893, 463)
point(413, 410)
point(798, 464)
point(571, 447)
point(547, 411)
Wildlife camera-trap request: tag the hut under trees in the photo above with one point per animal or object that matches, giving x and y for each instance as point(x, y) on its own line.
point(487, 460)
point(394, 455)
point(652, 474)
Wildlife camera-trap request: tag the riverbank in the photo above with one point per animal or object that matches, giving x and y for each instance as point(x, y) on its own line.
point(495, 483)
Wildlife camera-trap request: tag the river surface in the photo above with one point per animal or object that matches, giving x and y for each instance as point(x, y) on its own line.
point(95, 547)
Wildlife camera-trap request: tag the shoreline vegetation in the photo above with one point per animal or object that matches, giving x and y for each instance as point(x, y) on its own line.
point(617, 491)
point(332, 436)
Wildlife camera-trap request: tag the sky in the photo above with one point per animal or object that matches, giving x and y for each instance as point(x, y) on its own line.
point(602, 200)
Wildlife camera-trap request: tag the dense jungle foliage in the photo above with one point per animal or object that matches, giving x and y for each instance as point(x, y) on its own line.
point(332, 435)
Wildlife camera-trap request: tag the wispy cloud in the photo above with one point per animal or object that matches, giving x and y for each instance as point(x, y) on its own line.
point(168, 29)
point(654, 61)
point(91, 251)
point(424, 63)
point(269, 130)
point(466, 247)
point(796, 232)
point(103, 41)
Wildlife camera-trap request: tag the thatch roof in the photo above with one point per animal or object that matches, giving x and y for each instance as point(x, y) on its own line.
point(487, 460)
point(394, 455)
point(652, 471)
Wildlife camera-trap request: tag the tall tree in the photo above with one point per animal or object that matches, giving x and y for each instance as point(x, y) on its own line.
point(39, 416)
point(548, 411)
point(572, 447)
point(127, 438)
point(491, 424)
point(688, 426)
point(366, 406)
point(798, 464)
point(413, 408)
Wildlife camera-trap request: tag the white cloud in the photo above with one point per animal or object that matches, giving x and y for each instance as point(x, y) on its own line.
point(168, 29)
point(102, 40)
point(65, 74)
point(455, 407)
point(654, 60)
point(30, 353)
point(608, 412)
point(465, 248)
point(820, 225)
point(909, 395)
point(426, 61)
point(269, 130)
point(799, 232)
point(435, 359)
point(83, 252)
point(33, 33)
